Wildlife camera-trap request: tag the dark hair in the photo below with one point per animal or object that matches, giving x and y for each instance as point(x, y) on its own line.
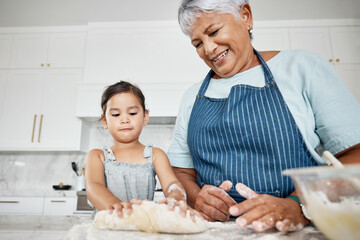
point(121, 87)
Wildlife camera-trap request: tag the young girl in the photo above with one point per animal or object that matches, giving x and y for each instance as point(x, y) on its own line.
point(126, 170)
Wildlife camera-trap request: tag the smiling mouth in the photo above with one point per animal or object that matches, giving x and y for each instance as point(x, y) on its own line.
point(221, 56)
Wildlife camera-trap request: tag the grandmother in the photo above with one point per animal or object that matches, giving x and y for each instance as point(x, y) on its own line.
point(254, 115)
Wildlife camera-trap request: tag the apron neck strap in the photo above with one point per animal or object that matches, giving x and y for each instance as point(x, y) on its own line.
point(268, 75)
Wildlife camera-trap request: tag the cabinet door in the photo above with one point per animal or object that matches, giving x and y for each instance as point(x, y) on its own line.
point(20, 113)
point(271, 39)
point(314, 39)
point(349, 74)
point(59, 205)
point(60, 128)
point(29, 50)
point(6, 41)
point(66, 50)
point(345, 44)
point(3, 76)
point(150, 54)
point(21, 205)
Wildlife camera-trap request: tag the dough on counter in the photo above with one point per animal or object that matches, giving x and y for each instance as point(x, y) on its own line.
point(151, 217)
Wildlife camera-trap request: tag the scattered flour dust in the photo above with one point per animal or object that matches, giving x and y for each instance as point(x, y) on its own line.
point(337, 220)
point(217, 231)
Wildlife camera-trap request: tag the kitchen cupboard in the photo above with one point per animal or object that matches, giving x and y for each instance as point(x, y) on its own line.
point(44, 50)
point(39, 110)
point(335, 44)
point(37, 205)
point(3, 76)
point(141, 52)
point(6, 41)
point(160, 59)
point(21, 205)
point(270, 39)
point(162, 99)
point(38, 79)
point(59, 205)
point(338, 45)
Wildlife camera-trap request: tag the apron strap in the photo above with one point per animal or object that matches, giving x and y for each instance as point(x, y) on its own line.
point(269, 78)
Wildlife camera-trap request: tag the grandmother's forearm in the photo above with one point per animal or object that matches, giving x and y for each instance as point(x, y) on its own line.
point(187, 177)
point(350, 155)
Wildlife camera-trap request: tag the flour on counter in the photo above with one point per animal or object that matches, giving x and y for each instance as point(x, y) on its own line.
point(217, 231)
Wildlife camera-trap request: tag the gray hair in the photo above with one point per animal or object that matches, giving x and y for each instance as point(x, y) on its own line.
point(189, 10)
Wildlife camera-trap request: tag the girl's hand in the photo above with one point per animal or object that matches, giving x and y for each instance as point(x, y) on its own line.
point(183, 207)
point(118, 207)
point(264, 211)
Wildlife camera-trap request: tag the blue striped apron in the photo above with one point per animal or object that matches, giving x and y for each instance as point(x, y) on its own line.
point(249, 137)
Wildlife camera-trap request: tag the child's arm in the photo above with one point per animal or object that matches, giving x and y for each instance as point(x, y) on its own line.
point(96, 190)
point(171, 186)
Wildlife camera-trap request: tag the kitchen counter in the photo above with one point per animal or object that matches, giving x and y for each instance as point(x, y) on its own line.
point(80, 228)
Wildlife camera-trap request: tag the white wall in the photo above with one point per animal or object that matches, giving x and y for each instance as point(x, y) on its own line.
point(80, 12)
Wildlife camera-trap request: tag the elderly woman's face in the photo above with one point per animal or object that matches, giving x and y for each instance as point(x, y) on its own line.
point(223, 42)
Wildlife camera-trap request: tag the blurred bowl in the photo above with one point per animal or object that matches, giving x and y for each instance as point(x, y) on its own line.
point(331, 197)
point(61, 187)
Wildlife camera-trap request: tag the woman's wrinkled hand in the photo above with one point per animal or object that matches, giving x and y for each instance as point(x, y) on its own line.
point(183, 207)
point(126, 205)
point(265, 211)
point(214, 202)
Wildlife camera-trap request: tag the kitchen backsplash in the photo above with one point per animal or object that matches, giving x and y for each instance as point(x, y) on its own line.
point(34, 173)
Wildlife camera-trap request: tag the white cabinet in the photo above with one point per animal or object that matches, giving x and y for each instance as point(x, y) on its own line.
point(3, 76)
point(21, 205)
point(314, 39)
point(339, 45)
point(345, 44)
point(37, 205)
point(267, 39)
point(6, 41)
point(161, 99)
point(59, 205)
point(39, 110)
point(19, 116)
point(44, 50)
point(152, 52)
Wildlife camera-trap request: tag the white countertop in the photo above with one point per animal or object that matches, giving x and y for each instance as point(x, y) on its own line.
point(80, 227)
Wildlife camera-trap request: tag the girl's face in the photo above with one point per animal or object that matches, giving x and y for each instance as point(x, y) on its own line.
point(124, 117)
point(223, 41)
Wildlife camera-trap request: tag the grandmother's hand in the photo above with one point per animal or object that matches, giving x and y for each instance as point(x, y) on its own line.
point(265, 211)
point(214, 203)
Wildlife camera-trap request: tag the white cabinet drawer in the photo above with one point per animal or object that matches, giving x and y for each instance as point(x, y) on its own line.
point(59, 205)
point(21, 205)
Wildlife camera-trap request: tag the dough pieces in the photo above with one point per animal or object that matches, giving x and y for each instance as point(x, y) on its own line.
point(151, 217)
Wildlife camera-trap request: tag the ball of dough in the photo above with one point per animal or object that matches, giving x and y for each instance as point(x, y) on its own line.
point(151, 217)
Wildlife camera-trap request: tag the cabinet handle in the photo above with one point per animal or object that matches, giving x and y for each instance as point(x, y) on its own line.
point(57, 201)
point(41, 119)
point(9, 201)
point(330, 60)
point(42, 64)
point(337, 60)
point(48, 64)
point(33, 131)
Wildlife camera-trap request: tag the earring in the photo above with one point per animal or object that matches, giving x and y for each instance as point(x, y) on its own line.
point(250, 28)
